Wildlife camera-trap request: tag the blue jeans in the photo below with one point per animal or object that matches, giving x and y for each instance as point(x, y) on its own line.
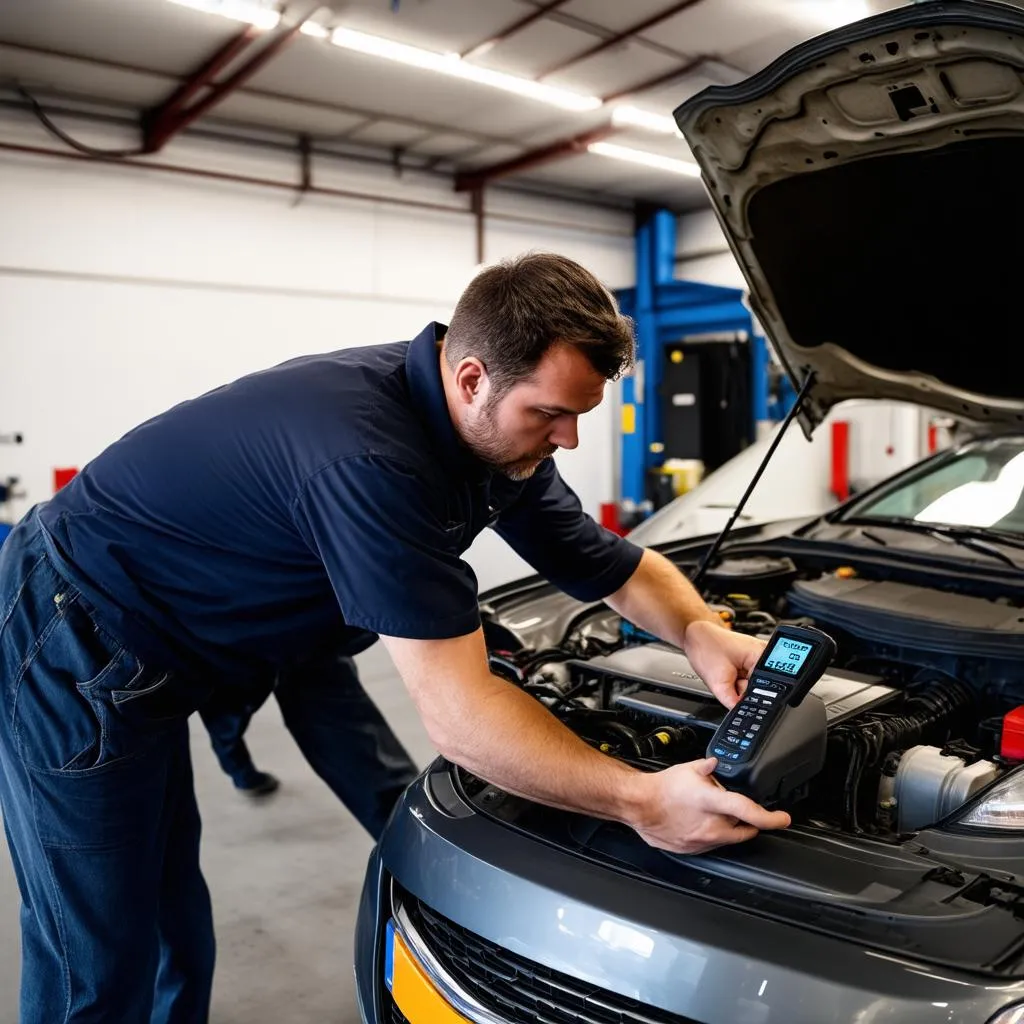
point(99, 808)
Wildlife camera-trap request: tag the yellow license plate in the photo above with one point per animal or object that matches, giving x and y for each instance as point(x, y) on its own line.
point(411, 989)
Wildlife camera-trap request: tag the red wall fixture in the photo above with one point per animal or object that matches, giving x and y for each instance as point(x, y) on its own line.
point(841, 459)
point(62, 477)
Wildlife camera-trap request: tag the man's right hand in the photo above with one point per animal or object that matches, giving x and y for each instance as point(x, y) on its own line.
point(685, 810)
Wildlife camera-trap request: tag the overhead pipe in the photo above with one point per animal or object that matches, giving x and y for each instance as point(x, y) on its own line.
point(312, 189)
point(477, 206)
point(240, 140)
point(471, 180)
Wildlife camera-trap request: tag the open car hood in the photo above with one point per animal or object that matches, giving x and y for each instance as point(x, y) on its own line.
point(871, 185)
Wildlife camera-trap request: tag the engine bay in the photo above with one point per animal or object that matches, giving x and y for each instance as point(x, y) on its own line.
point(919, 699)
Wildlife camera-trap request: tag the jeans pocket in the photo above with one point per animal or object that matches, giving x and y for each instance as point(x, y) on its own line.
point(156, 698)
point(62, 726)
point(62, 717)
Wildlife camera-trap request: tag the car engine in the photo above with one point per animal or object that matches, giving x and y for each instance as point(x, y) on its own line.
point(916, 699)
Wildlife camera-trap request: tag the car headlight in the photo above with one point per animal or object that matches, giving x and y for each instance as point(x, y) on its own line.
point(1011, 1015)
point(1001, 807)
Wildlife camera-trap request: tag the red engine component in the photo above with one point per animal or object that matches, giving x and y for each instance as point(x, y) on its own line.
point(1012, 744)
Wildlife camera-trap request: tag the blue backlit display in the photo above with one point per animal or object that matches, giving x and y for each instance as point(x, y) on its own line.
point(787, 656)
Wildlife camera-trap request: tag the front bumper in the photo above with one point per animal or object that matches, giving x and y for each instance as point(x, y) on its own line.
point(682, 958)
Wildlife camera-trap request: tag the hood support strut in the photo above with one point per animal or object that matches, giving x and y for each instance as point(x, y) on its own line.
point(805, 389)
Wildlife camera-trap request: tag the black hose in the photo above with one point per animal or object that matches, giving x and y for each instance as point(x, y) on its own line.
point(68, 140)
point(874, 736)
point(546, 690)
point(505, 668)
point(626, 735)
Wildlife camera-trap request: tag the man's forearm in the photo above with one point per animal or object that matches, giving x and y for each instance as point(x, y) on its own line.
point(661, 600)
point(512, 741)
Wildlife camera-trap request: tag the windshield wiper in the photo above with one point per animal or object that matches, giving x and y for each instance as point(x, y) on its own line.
point(965, 536)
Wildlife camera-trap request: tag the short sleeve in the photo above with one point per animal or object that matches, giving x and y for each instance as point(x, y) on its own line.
point(548, 527)
point(381, 529)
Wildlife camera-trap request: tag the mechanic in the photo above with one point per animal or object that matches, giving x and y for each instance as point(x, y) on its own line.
point(301, 510)
point(343, 712)
point(226, 717)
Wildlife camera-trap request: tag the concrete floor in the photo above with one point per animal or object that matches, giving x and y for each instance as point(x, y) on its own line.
point(285, 876)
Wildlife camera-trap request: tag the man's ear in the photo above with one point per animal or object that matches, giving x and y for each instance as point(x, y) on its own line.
point(470, 379)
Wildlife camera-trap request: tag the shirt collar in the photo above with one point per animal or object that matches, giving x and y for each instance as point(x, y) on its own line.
point(423, 372)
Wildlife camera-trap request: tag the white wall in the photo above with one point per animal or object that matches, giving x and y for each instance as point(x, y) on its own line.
point(703, 253)
point(123, 290)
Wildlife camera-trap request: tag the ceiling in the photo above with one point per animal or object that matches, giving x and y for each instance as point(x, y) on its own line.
point(131, 55)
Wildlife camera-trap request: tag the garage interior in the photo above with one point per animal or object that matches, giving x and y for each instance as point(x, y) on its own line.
point(191, 190)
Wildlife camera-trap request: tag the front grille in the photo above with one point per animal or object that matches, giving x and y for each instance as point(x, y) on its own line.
point(519, 990)
point(392, 1014)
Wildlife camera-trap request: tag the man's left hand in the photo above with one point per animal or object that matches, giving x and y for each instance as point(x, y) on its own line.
point(722, 658)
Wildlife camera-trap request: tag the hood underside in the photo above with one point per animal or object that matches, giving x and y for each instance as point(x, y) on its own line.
point(870, 185)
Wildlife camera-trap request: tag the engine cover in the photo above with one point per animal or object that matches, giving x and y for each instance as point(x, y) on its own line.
point(658, 677)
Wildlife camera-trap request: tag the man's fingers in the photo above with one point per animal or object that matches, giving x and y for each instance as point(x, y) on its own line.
point(705, 766)
point(727, 691)
point(734, 805)
point(739, 834)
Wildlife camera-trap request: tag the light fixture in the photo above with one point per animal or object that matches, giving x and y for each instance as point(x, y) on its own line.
point(315, 29)
point(251, 12)
point(634, 117)
point(640, 156)
point(452, 64)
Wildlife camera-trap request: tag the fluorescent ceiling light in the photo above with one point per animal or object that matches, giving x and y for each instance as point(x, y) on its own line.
point(634, 117)
point(249, 11)
point(640, 156)
point(452, 64)
point(315, 29)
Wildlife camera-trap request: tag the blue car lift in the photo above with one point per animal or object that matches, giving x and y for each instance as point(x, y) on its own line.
point(666, 311)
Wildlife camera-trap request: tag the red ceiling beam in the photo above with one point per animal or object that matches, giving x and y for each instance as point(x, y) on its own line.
point(488, 44)
point(620, 37)
point(161, 124)
point(471, 181)
point(204, 76)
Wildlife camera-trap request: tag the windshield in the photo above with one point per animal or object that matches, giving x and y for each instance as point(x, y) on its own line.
point(980, 486)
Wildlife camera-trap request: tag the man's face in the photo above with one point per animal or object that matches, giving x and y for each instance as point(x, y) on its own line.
point(534, 418)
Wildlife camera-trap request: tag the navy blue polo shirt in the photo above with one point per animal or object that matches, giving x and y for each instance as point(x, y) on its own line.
point(309, 507)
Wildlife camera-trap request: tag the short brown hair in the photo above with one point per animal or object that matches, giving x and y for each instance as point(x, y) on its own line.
point(513, 312)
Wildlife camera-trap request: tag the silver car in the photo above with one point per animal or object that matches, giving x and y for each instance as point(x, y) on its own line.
point(870, 184)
